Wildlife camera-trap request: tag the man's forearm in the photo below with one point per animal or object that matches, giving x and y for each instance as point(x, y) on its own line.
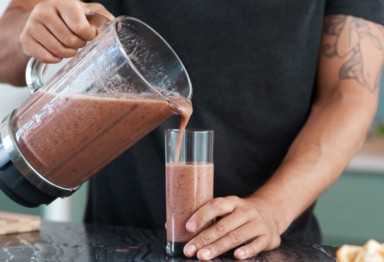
point(12, 58)
point(333, 133)
point(350, 63)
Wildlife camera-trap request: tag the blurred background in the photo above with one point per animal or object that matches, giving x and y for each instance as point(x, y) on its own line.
point(351, 211)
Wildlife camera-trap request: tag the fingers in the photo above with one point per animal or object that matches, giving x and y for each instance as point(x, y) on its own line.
point(92, 8)
point(59, 30)
point(225, 229)
point(231, 239)
point(51, 43)
point(258, 245)
point(240, 222)
point(56, 29)
point(35, 49)
point(74, 17)
point(213, 209)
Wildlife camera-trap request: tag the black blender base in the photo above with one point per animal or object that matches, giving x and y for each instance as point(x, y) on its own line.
point(20, 190)
point(9, 193)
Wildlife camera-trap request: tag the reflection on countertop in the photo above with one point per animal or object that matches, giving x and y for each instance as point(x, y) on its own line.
point(77, 242)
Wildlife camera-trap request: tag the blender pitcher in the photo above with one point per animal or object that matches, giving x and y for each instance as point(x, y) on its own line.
point(117, 89)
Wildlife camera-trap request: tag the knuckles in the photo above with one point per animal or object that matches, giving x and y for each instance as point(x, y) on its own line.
point(235, 238)
point(221, 204)
point(217, 248)
point(42, 11)
point(203, 241)
point(275, 242)
point(220, 227)
point(64, 52)
point(72, 41)
point(83, 30)
point(98, 7)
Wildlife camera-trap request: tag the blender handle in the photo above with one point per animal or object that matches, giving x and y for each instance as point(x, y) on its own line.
point(35, 68)
point(34, 75)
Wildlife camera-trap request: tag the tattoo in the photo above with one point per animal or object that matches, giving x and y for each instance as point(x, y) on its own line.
point(348, 34)
point(333, 27)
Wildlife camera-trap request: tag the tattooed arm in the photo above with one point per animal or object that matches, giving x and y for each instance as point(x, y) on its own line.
point(349, 68)
point(344, 39)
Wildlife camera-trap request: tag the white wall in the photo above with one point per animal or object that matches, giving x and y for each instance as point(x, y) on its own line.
point(3, 5)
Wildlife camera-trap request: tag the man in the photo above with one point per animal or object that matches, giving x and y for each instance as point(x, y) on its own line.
point(290, 88)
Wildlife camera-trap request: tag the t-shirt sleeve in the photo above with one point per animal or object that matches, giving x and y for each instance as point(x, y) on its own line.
point(372, 10)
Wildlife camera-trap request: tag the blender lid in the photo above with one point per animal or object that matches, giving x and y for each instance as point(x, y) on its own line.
point(20, 190)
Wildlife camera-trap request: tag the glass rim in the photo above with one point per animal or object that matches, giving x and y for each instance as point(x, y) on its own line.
point(189, 130)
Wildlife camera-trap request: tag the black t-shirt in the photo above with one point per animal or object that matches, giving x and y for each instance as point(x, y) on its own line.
point(252, 65)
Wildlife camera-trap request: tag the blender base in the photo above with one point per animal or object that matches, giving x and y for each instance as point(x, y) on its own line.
point(20, 190)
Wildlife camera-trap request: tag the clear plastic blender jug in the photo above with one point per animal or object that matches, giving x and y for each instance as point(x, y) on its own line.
point(118, 88)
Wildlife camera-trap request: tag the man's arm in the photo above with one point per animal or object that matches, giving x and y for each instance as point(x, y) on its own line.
point(349, 70)
point(350, 67)
point(12, 58)
point(48, 30)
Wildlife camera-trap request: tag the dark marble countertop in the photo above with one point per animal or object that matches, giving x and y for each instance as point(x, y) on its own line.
point(77, 242)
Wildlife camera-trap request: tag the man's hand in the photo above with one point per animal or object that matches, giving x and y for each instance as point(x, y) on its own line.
point(249, 223)
point(47, 30)
point(56, 29)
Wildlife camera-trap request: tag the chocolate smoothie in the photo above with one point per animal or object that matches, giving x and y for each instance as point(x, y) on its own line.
point(185, 113)
point(188, 187)
point(68, 138)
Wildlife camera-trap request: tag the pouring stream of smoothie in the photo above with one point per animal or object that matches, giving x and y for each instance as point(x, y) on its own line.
point(185, 113)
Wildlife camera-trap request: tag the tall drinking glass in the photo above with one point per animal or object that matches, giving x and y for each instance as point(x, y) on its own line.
point(189, 181)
